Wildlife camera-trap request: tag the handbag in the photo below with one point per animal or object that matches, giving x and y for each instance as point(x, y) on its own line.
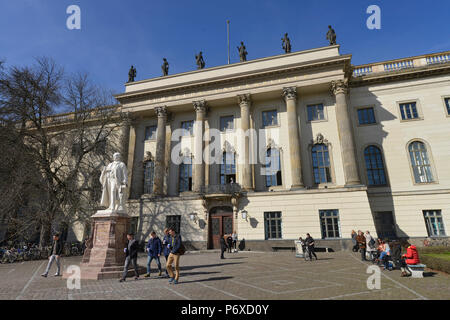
point(181, 250)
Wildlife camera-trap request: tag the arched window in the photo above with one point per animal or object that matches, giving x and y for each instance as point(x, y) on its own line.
point(149, 173)
point(185, 177)
point(273, 168)
point(228, 168)
point(420, 162)
point(376, 175)
point(321, 163)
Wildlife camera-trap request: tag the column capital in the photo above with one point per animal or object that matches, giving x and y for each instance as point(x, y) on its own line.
point(200, 105)
point(339, 86)
point(290, 93)
point(244, 99)
point(161, 111)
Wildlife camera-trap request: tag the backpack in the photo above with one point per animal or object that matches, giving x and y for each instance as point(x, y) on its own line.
point(372, 243)
point(181, 250)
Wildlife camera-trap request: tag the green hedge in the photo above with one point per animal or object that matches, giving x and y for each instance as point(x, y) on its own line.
point(435, 263)
point(425, 250)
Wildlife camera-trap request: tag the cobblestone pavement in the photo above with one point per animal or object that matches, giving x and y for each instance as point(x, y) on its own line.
point(242, 276)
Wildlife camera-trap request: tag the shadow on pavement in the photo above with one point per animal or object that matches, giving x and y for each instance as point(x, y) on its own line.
point(209, 279)
point(207, 266)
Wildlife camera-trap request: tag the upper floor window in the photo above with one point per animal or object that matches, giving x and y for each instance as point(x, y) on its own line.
point(273, 168)
point(316, 112)
point(189, 127)
point(420, 162)
point(149, 171)
point(150, 133)
point(375, 166)
point(226, 123)
point(185, 177)
point(434, 223)
point(174, 222)
point(321, 163)
point(447, 105)
point(409, 111)
point(270, 118)
point(228, 168)
point(366, 116)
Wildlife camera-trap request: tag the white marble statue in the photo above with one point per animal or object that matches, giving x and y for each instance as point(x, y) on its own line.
point(114, 179)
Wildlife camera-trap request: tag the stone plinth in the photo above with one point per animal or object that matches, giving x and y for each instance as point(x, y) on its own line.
point(104, 256)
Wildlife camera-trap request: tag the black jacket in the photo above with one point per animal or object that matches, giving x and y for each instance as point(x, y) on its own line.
point(223, 245)
point(59, 247)
point(309, 241)
point(133, 251)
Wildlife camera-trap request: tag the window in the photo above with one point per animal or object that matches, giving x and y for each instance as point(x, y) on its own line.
point(150, 133)
point(272, 225)
point(228, 168)
point(447, 105)
point(134, 225)
point(273, 168)
point(189, 127)
point(434, 223)
point(374, 166)
point(149, 172)
point(420, 162)
point(315, 112)
point(409, 111)
point(329, 223)
point(321, 164)
point(226, 123)
point(185, 178)
point(366, 116)
point(173, 222)
point(270, 118)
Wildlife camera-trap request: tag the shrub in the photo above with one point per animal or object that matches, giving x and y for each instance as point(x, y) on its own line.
point(435, 263)
point(425, 250)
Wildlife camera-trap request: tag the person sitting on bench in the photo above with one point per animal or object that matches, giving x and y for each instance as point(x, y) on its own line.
point(410, 258)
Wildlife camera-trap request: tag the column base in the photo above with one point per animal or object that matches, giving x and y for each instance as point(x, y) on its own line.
point(297, 187)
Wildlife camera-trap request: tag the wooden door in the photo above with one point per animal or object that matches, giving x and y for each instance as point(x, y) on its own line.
point(221, 223)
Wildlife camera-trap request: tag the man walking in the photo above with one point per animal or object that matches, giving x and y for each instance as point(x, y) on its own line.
point(55, 256)
point(165, 247)
point(309, 241)
point(234, 237)
point(131, 252)
point(153, 249)
point(223, 247)
point(174, 256)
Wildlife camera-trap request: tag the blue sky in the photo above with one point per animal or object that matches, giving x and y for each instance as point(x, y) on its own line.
point(117, 33)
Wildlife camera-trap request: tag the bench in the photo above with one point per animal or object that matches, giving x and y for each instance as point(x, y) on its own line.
point(416, 270)
point(292, 249)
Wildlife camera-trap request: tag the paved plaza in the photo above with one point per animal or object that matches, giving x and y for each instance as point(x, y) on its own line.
point(242, 276)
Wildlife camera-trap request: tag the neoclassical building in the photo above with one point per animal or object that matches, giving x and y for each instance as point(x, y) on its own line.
point(350, 147)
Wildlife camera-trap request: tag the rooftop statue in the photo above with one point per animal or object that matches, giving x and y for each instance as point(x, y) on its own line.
point(165, 67)
point(199, 60)
point(242, 52)
point(131, 74)
point(114, 180)
point(286, 44)
point(331, 36)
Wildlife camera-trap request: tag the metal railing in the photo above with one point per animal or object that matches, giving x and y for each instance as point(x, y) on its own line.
point(230, 188)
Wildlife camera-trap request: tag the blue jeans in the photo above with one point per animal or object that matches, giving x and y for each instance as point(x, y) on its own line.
point(385, 262)
point(149, 261)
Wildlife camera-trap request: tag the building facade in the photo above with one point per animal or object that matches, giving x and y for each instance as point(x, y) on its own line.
point(298, 143)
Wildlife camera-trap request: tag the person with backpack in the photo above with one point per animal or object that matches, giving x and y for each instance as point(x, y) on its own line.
point(176, 250)
point(153, 249)
point(361, 240)
point(309, 241)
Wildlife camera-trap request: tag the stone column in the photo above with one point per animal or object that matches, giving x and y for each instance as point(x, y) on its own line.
point(245, 104)
point(290, 96)
point(340, 89)
point(198, 179)
point(129, 154)
point(158, 181)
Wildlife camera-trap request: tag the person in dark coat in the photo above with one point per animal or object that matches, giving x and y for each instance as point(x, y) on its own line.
point(174, 256)
point(309, 241)
point(165, 247)
point(361, 240)
point(229, 243)
point(131, 252)
point(154, 249)
point(55, 255)
point(223, 247)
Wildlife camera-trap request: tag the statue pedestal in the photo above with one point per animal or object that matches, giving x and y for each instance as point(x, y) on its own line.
point(104, 257)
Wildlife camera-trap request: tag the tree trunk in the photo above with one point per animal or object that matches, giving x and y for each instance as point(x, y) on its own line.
point(45, 236)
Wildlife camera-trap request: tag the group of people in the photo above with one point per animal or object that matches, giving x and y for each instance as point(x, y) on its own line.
point(380, 252)
point(228, 242)
point(171, 247)
point(308, 246)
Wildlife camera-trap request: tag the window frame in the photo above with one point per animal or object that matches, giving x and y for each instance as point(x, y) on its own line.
point(430, 159)
point(191, 131)
point(189, 176)
point(152, 177)
point(280, 171)
point(418, 109)
point(358, 109)
point(176, 224)
point(446, 107)
point(220, 123)
point(326, 224)
point(268, 225)
point(428, 225)
point(224, 163)
point(328, 146)
point(325, 118)
point(270, 109)
point(384, 165)
point(145, 132)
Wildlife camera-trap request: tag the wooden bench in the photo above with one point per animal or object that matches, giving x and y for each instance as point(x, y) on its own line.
point(292, 249)
point(416, 270)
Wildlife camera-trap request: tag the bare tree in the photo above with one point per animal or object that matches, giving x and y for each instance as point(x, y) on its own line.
point(65, 148)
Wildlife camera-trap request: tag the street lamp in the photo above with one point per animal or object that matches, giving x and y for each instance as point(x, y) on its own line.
point(193, 216)
point(244, 214)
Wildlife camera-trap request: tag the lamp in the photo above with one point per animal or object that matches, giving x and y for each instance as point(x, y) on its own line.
point(244, 214)
point(193, 216)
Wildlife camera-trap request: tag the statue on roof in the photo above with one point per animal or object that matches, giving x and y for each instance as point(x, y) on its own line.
point(242, 52)
point(286, 43)
point(165, 67)
point(131, 74)
point(331, 36)
point(199, 60)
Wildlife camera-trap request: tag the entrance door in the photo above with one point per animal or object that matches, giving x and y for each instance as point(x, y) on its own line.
point(221, 223)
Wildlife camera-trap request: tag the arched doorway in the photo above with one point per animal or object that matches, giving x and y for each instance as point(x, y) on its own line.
point(220, 223)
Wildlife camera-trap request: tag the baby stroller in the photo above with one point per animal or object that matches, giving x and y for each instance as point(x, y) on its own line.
point(396, 255)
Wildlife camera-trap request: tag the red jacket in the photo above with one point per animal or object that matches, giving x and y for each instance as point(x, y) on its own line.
point(412, 256)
